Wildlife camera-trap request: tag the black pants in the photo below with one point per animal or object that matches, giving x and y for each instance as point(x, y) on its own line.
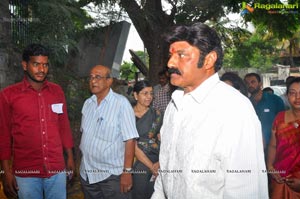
point(106, 189)
point(142, 187)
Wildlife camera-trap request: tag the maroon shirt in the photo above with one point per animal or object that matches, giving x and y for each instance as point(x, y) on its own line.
point(34, 129)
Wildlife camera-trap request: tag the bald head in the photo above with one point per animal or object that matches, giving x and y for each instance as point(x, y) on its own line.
point(104, 69)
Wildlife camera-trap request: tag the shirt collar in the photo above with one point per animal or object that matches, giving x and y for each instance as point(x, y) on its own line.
point(27, 85)
point(107, 98)
point(200, 93)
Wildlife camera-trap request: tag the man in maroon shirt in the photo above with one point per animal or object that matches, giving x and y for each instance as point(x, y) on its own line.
point(34, 132)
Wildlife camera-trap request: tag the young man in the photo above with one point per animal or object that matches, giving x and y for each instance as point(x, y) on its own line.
point(266, 105)
point(108, 140)
point(162, 96)
point(34, 132)
point(211, 142)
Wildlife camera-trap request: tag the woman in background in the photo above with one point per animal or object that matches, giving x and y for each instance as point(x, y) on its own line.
point(284, 149)
point(235, 81)
point(148, 123)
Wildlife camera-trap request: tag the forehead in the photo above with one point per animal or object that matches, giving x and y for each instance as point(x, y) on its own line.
point(181, 46)
point(251, 78)
point(99, 70)
point(295, 85)
point(148, 88)
point(38, 59)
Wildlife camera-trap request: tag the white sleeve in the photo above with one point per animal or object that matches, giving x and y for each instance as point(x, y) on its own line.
point(245, 166)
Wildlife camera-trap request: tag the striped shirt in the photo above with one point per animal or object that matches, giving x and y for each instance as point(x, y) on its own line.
point(105, 128)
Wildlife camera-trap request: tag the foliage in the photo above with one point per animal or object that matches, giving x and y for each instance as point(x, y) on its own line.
point(257, 50)
point(56, 25)
point(128, 71)
point(281, 22)
point(76, 91)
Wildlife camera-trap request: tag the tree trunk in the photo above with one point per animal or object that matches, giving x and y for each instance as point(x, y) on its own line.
point(291, 58)
point(151, 22)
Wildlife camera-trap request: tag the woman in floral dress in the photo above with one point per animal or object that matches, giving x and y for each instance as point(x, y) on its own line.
point(148, 123)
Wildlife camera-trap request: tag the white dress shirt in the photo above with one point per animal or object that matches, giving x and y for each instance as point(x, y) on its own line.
point(211, 146)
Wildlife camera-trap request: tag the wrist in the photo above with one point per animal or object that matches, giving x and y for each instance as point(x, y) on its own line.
point(127, 170)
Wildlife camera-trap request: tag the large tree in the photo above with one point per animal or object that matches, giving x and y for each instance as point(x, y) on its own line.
point(153, 18)
point(56, 24)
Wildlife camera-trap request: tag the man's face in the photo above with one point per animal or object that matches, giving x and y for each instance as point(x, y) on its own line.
point(36, 68)
point(184, 58)
point(163, 80)
point(98, 82)
point(252, 84)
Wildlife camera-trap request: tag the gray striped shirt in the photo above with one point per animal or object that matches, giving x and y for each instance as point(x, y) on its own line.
point(105, 128)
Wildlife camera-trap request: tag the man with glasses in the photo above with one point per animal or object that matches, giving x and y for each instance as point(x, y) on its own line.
point(108, 140)
point(34, 132)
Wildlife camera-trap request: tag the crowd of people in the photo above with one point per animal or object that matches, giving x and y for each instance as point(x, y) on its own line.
point(194, 135)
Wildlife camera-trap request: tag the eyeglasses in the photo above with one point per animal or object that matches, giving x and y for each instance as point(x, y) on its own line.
point(147, 93)
point(293, 94)
point(97, 77)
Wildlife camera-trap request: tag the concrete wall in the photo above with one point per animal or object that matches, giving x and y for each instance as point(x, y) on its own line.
point(101, 46)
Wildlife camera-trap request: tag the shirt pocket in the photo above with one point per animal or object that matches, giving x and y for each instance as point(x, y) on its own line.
point(107, 130)
point(53, 114)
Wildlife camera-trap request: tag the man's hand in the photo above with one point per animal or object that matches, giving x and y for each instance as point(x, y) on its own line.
point(126, 182)
point(70, 168)
point(155, 168)
point(278, 178)
point(70, 164)
point(10, 185)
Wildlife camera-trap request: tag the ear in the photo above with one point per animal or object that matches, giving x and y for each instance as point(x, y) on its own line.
point(24, 65)
point(110, 81)
point(260, 84)
point(135, 95)
point(210, 60)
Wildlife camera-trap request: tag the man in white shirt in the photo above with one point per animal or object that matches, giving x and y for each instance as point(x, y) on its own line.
point(211, 139)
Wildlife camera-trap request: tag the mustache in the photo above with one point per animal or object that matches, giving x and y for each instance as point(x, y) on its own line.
point(174, 70)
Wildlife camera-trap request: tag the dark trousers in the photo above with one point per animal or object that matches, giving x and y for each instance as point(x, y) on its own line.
point(106, 189)
point(142, 187)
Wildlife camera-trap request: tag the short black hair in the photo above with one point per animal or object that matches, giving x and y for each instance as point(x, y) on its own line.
point(257, 76)
point(202, 37)
point(294, 80)
point(34, 50)
point(140, 85)
point(268, 89)
point(288, 79)
point(236, 80)
point(162, 72)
